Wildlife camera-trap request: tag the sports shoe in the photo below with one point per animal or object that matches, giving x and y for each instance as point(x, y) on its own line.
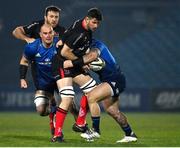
point(90, 133)
point(127, 139)
point(78, 128)
point(57, 139)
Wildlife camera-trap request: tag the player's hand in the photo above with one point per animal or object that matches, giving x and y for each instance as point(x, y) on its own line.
point(23, 83)
point(86, 68)
point(68, 64)
point(59, 43)
point(30, 40)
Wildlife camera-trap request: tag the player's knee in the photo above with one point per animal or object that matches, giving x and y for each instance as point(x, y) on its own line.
point(42, 105)
point(41, 100)
point(87, 87)
point(90, 98)
point(43, 110)
point(67, 92)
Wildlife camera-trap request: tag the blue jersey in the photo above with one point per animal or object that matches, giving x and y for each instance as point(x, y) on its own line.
point(111, 66)
point(41, 59)
point(111, 73)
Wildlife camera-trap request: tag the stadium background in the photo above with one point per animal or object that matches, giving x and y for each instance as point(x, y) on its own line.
point(143, 35)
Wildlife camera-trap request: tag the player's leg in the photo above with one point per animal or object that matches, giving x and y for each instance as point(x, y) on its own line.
point(87, 84)
point(80, 124)
point(42, 102)
point(94, 96)
point(52, 114)
point(112, 108)
point(74, 110)
point(67, 94)
point(46, 105)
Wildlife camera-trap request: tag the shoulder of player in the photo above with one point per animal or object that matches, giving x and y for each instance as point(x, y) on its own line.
point(35, 24)
point(56, 39)
point(39, 23)
point(59, 29)
point(76, 29)
point(34, 44)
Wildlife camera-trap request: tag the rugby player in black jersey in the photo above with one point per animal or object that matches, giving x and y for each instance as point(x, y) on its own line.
point(30, 32)
point(74, 44)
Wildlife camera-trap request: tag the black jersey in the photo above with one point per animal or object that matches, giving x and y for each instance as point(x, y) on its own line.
point(33, 29)
point(77, 38)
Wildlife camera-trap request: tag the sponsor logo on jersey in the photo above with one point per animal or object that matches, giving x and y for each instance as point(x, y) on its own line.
point(47, 61)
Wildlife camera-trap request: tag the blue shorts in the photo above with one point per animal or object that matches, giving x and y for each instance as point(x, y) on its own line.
point(117, 82)
point(51, 88)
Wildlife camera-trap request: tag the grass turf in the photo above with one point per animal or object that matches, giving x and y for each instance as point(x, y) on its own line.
point(31, 130)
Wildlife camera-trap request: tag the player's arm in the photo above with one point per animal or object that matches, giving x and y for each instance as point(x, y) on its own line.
point(91, 56)
point(23, 67)
point(28, 55)
point(86, 59)
point(23, 32)
point(20, 33)
point(66, 52)
point(71, 43)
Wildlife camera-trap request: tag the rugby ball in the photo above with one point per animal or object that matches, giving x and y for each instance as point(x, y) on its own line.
point(97, 64)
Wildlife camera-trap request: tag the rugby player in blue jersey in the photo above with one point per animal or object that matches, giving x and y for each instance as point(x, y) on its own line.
point(40, 54)
point(31, 31)
point(112, 85)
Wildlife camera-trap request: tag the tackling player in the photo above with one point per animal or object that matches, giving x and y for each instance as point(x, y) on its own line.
point(112, 85)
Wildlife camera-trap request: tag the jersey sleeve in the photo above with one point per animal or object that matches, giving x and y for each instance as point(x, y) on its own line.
point(30, 28)
point(30, 50)
point(61, 32)
point(97, 45)
point(73, 41)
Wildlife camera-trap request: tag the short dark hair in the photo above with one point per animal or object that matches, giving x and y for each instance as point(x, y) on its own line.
point(95, 13)
point(52, 8)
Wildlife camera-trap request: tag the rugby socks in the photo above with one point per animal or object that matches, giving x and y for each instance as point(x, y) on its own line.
point(51, 117)
point(127, 129)
point(60, 117)
point(81, 120)
point(95, 123)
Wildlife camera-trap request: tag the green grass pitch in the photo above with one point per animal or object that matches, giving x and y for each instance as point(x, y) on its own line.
point(31, 130)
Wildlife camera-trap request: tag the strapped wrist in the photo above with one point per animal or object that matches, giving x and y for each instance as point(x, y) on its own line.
point(23, 71)
point(78, 62)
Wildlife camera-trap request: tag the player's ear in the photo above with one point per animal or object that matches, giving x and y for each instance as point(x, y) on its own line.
point(45, 18)
point(87, 20)
point(53, 32)
point(40, 34)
